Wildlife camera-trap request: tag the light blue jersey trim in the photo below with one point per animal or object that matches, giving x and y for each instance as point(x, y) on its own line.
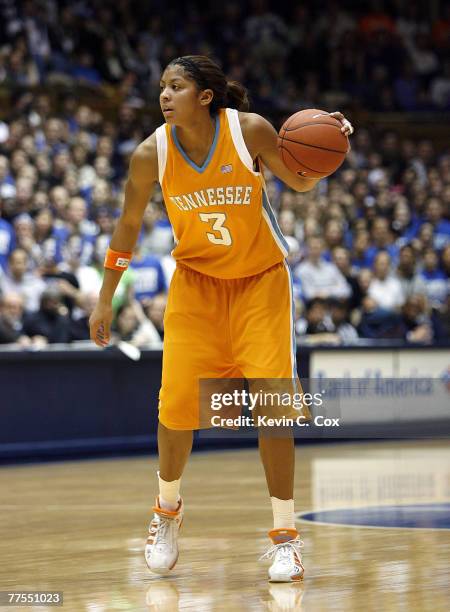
point(211, 150)
point(273, 222)
point(293, 338)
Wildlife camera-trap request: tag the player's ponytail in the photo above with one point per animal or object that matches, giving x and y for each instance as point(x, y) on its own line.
point(237, 96)
point(208, 75)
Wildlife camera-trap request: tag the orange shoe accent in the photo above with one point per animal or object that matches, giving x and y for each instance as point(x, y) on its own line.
point(278, 536)
point(163, 512)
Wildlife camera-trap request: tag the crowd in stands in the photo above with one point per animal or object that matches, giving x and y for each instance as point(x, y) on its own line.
point(369, 246)
point(382, 55)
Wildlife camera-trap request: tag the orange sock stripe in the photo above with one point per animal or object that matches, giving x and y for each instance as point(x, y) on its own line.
point(117, 260)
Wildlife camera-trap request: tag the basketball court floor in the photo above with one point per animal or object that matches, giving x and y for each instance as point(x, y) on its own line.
point(374, 519)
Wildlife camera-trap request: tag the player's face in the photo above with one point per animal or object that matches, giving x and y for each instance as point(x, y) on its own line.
point(179, 97)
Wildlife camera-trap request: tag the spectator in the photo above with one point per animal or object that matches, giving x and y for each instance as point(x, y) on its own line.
point(416, 324)
point(383, 240)
point(404, 224)
point(105, 222)
point(44, 235)
point(11, 320)
point(65, 280)
point(446, 259)
point(51, 322)
point(411, 282)
point(24, 229)
point(385, 289)
point(376, 322)
point(440, 88)
point(149, 277)
point(364, 278)
point(132, 326)
point(435, 280)
point(79, 325)
point(341, 325)
point(155, 312)
point(441, 227)
point(334, 237)
point(406, 87)
point(424, 240)
point(7, 240)
point(360, 257)
point(316, 320)
point(77, 222)
point(77, 254)
point(286, 221)
point(19, 280)
point(156, 237)
point(320, 278)
point(341, 259)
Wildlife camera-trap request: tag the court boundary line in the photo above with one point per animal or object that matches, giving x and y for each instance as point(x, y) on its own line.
point(299, 517)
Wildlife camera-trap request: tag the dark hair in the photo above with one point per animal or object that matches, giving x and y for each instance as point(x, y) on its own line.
point(208, 75)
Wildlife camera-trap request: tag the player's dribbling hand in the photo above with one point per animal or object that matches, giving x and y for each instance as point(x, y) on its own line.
point(347, 128)
point(100, 324)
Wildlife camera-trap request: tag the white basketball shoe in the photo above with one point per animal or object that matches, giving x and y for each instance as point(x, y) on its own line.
point(285, 551)
point(161, 550)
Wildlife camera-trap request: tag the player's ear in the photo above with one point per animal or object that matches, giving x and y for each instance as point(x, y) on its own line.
point(206, 97)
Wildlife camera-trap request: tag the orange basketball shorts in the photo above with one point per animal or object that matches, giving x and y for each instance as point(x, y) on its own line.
point(219, 328)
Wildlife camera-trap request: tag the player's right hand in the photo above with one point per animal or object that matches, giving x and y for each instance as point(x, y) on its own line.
point(100, 324)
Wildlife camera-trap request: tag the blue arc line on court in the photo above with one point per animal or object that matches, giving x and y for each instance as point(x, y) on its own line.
point(417, 516)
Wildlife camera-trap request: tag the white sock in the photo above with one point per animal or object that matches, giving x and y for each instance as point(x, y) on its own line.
point(169, 493)
point(283, 513)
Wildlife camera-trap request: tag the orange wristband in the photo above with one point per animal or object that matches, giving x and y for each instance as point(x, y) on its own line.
point(117, 260)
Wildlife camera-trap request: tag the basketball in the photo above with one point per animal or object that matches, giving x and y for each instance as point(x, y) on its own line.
point(311, 143)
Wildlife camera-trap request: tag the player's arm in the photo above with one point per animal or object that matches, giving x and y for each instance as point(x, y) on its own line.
point(261, 139)
point(142, 176)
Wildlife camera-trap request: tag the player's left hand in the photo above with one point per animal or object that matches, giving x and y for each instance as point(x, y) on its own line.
point(347, 128)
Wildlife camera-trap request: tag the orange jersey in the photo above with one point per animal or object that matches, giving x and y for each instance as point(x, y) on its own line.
point(220, 213)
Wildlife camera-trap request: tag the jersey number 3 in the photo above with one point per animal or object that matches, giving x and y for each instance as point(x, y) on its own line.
point(217, 220)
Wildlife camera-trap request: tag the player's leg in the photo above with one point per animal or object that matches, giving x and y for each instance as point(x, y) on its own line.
point(193, 349)
point(278, 459)
point(267, 353)
point(174, 448)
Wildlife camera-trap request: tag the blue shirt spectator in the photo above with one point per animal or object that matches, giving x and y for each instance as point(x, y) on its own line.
point(149, 277)
point(7, 242)
point(382, 241)
point(436, 281)
point(434, 215)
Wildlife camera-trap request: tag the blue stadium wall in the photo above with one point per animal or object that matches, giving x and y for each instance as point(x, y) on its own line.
point(62, 404)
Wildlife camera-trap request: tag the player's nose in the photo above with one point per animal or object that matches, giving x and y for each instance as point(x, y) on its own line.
point(164, 96)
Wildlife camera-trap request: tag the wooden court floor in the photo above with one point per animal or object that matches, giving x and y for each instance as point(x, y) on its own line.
point(80, 527)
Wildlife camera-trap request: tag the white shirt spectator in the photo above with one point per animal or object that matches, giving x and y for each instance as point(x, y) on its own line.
point(89, 279)
point(412, 286)
point(322, 279)
point(30, 288)
point(387, 293)
point(440, 90)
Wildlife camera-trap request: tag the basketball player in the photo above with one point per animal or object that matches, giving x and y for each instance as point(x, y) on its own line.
point(229, 309)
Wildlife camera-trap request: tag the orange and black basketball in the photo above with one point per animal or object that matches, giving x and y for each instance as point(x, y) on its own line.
point(311, 143)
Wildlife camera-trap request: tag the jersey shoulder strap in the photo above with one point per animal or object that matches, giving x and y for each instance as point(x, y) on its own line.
point(238, 139)
point(161, 149)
